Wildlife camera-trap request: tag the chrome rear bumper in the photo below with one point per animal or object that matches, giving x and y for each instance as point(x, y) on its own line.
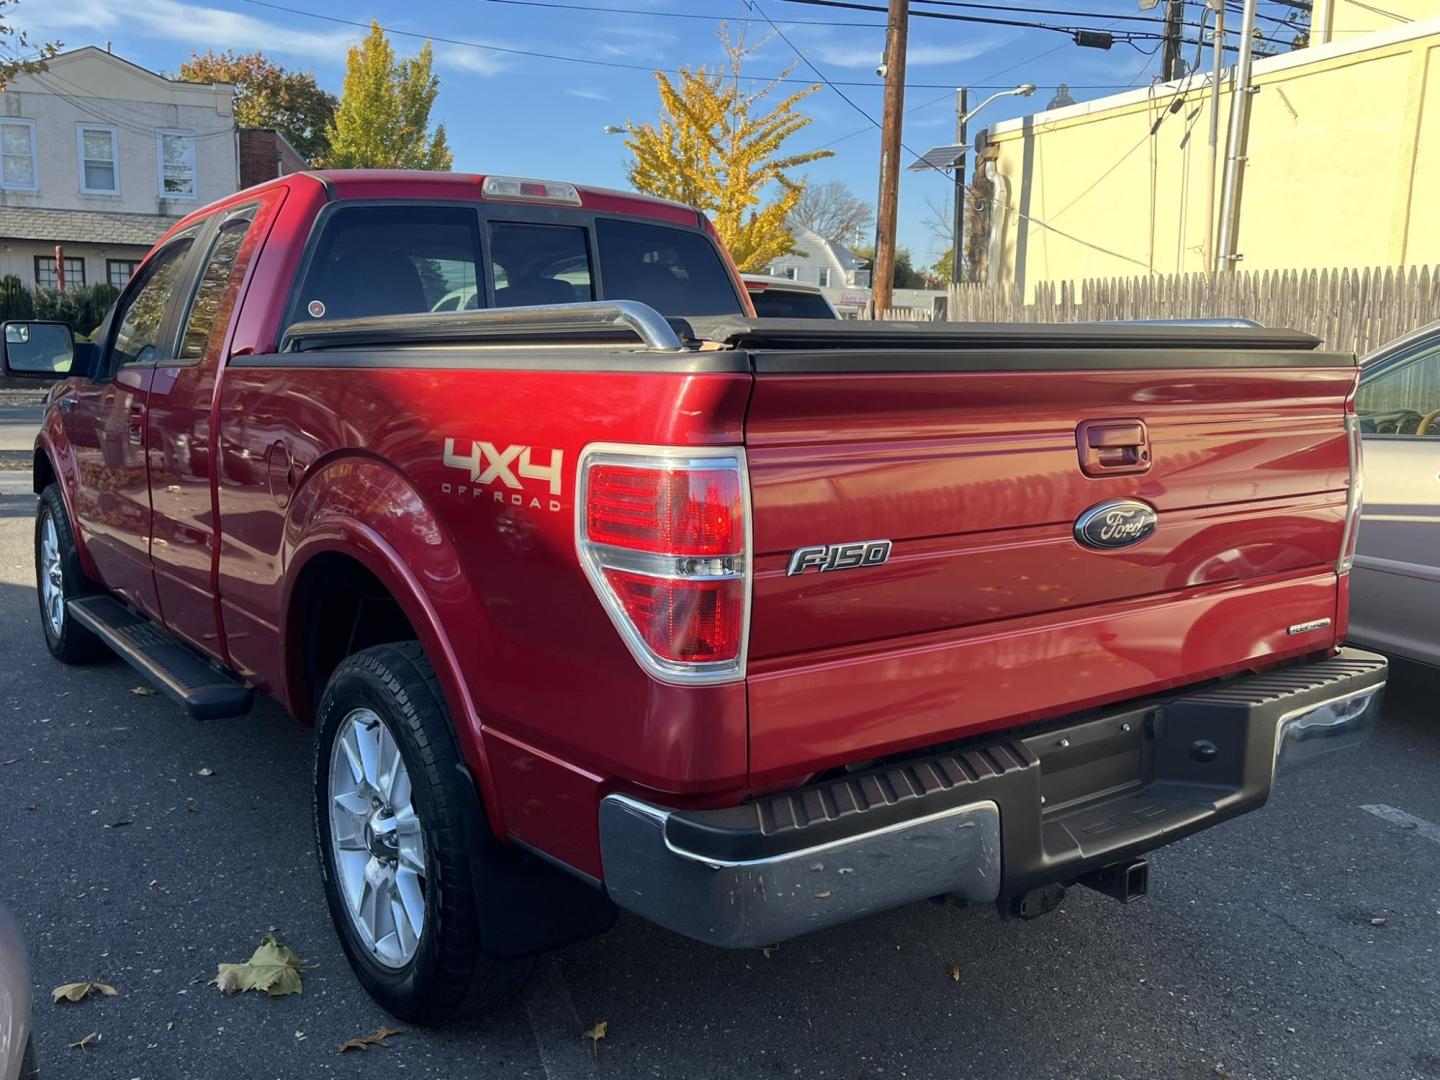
point(1073, 799)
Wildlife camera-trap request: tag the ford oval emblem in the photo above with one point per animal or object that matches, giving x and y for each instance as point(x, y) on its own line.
point(1115, 524)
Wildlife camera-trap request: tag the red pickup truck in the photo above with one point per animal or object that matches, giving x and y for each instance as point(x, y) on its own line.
point(600, 592)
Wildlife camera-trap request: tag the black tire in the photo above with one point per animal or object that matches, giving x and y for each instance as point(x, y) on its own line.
point(72, 644)
point(452, 972)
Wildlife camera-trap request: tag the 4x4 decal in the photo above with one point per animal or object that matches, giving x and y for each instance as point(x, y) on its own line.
point(488, 464)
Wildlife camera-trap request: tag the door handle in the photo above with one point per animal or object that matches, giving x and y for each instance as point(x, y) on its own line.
point(1113, 447)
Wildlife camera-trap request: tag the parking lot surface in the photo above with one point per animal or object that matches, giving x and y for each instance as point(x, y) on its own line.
point(1301, 941)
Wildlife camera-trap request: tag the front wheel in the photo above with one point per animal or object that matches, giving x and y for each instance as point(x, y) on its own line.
point(58, 580)
point(396, 839)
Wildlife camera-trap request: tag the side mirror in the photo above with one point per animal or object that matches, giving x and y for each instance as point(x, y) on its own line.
point(39, 351)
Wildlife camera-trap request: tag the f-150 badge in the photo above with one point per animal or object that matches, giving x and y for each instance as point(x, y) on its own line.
point(1115, 524)
point(850, 556)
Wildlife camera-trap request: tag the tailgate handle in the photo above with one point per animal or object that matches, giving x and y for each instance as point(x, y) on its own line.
point(1113, 447)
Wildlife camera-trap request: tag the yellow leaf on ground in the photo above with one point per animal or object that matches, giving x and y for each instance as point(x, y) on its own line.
point(142, 691)
point(375, 1038)
point(596, 1033)
point(953, 970)
point(85, 1042)
point(274, 969)
point(79, 991)
point(207, 771)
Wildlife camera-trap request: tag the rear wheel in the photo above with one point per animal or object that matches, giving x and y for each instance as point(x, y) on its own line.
point(396, 835)
point(58, 580)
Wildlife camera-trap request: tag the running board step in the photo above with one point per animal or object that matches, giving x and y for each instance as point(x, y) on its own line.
point(181, 673)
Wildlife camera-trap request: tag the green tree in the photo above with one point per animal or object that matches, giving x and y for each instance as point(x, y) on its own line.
point(717, 147)
point(269, 96)
point(383, 119)
point(14, 44)
point(905, 276)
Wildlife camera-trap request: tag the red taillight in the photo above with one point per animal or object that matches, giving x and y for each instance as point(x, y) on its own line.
point(689, 512)
point(1355, 494)
point(687, 620)
point(663, 538)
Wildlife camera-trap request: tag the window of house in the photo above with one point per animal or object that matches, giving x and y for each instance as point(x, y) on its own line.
point(824, 277)
point(1403, 397)
point(175, 151)
point(17, 149)
point(788, 272)
point(47, 278)
point(118, 272)
point(96, 149)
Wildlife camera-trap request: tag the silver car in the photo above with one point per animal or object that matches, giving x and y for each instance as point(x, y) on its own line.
point(17, 1052)
point(1395, 583)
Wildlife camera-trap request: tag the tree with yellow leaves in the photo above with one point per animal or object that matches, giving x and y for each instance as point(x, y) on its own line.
point(717, 148)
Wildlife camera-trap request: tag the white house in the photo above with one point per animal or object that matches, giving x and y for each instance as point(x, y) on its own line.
point(101, 156)
point(841, 274)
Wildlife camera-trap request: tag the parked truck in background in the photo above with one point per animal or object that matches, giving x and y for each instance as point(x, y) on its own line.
point(607, 594)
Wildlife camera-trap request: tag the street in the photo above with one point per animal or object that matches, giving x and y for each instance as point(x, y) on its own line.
point(1300, 941)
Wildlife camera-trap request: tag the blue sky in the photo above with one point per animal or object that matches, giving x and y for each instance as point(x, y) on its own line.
point(510, 113)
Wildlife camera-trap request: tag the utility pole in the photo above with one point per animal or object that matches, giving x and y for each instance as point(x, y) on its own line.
point(1217, 70)
point(1237, 144)
point(882, 273)
point(957, 232)
point(1171, 64)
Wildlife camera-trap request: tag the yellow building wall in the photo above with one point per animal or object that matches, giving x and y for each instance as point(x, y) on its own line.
point(1343, 170)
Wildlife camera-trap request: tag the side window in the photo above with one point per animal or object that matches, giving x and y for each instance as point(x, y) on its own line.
point(392, 260)
point(539, 264)
point(141, 313)
point(675, 271)
point(1404, 398)
point(213, 290)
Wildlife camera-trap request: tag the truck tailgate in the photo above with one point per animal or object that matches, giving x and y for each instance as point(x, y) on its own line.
point(989, 611)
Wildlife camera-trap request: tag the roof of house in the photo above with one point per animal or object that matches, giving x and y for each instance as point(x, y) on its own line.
point(82, 226)
point(812, 244)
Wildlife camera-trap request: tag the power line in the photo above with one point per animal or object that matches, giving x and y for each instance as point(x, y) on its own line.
point(984, 20)
point(1043, 11)
point(588, 60)
point(677, 14)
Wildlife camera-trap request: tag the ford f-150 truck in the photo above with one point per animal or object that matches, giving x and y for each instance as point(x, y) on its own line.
point(606, 594)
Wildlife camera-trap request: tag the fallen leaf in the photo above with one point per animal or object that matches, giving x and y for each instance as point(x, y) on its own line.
point(207, 771)
point(9, 761)
point(1222, 1071)
point(375, 1038)
point(86, 1042)
point(119, 824)
point(596, 1033)
point(142, 691)
point(1379, 920)
point(769, 950)
point(953, 970)
point(274, 969)
point(79, 991)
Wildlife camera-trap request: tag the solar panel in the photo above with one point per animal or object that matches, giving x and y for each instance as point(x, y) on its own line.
point(939, 157)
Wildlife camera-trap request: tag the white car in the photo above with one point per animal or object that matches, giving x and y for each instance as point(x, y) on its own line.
point(1395, 582)
point(782, 298)
point(17, 1049)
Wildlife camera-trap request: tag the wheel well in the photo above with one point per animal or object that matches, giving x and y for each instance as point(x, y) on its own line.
point(338, 607)
point(43, 475)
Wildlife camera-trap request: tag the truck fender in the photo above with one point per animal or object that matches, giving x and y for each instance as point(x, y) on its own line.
point(53, 454)
point(361, 507)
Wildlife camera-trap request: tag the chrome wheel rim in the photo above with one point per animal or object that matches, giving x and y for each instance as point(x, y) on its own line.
point(52, 576)
point(376, 839)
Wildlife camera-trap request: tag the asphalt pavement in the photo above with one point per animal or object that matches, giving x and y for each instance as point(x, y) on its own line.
point(142, 849)
point(20, 413)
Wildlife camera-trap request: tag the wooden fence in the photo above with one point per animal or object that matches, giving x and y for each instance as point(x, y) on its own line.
point(1355, 310)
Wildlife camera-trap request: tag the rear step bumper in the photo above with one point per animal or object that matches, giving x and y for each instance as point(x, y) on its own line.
point(990, 821)
point(180, 672)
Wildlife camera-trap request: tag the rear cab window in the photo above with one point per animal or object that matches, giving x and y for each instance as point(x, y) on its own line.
point(379, 259)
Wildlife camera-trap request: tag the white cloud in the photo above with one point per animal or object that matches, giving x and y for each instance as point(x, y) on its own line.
point(587, 93)
point(194, 25)
point(471, 61)
point(848, 56)
point(634, 43)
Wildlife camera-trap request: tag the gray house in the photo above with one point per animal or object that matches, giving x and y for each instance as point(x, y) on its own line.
point(842, 275)
point(100, 157)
